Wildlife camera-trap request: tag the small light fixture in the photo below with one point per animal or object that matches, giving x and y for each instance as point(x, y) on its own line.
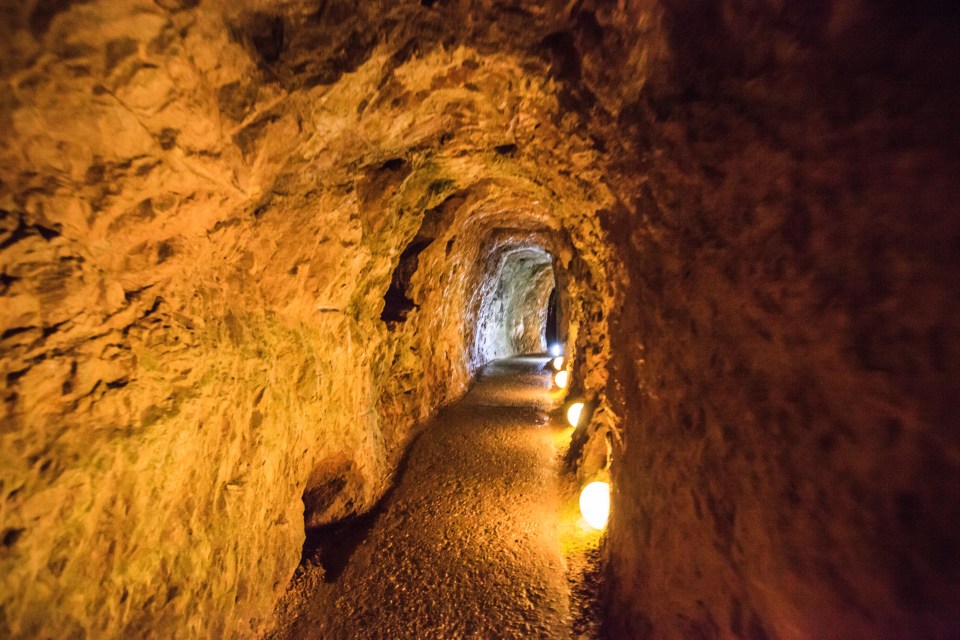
point(557, 363)
point(555, 350)
point(561, 379)
point(595, 504)
point(573, 413)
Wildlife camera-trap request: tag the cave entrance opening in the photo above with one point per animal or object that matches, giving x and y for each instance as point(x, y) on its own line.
point(517, 305)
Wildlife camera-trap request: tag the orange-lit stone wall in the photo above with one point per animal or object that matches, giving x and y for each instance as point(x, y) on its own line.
point(240, 251)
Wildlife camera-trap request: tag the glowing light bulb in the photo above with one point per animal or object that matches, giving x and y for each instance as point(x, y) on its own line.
point(595, 504)
point(558, 363)
point(561, 379)
point(554, 349)
point(573, 413)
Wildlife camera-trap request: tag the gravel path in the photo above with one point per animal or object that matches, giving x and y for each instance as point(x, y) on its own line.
point(466, 545)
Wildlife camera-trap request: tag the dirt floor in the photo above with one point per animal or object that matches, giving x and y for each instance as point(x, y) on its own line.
point(480, 538)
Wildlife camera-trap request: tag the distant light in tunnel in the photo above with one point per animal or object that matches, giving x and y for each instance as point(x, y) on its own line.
point(595, 504)
point(573, 413)
point(555, 350)
point(558, 363)
point(561, 379)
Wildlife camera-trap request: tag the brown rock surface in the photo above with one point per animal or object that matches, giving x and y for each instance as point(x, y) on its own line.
point(246, 247)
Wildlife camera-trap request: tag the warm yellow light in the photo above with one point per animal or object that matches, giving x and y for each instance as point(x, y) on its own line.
point(561, 379)
point(595, 504)
point(573, 413)
point(558, 363)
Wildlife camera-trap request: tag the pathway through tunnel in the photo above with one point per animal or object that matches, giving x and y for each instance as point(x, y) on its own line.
point(467, 545)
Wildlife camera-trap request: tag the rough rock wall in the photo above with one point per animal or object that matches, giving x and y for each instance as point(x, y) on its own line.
point(204, 209)
point(786, 355)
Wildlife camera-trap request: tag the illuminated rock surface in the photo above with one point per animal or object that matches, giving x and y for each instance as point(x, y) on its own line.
point(248, 248)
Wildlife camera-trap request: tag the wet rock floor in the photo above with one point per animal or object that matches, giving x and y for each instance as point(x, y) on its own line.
point(467, 544)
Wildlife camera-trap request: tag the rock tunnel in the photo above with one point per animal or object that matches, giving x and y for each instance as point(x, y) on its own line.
point(250, 249)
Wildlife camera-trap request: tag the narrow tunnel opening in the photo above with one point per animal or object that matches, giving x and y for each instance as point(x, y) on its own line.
point(514, 315)
point(551, 333)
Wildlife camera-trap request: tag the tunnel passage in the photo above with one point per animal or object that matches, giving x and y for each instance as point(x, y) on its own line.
point(209, 313)
point(515, 304)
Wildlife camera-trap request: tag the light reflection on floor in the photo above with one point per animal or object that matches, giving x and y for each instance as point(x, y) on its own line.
point(532, 387)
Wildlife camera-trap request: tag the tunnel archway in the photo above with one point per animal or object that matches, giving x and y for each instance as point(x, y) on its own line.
point(514, 303)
